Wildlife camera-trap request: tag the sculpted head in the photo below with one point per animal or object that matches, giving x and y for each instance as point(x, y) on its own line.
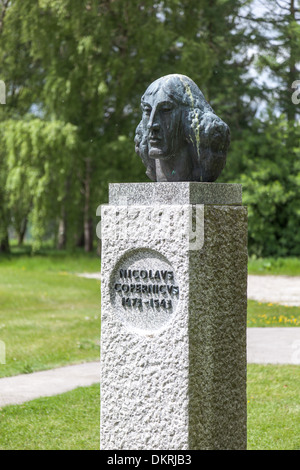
point(180, 138)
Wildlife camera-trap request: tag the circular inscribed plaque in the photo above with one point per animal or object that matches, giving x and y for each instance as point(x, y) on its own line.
point(144, 290)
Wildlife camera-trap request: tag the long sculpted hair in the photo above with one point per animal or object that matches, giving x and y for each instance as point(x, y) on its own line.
point(205, 134)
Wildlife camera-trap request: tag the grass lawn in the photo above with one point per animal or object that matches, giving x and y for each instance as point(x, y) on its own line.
point(48, 316)
point(70, 421)
point(274, 266)
point(261, 314)
point(51, 260)
point(273, 407)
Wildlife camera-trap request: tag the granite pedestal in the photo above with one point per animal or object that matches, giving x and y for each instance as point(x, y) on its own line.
point(174, 306)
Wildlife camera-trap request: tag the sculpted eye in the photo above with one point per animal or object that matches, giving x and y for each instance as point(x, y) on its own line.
point(147, 111)
point(167, 108)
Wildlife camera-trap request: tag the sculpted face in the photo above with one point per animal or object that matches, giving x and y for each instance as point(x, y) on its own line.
point(180, 138)
point(162, 121)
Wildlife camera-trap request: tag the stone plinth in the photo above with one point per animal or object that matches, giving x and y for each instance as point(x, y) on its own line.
point(174, 305)
point(175, 193)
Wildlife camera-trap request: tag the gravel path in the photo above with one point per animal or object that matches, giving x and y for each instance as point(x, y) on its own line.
point(273, 345)
point(264, 346)
point(282, 290)
point(21, 388)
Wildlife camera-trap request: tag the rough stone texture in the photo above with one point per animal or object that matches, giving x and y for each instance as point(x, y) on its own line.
point(180, 384)
point(175, 193)
point(217, 333)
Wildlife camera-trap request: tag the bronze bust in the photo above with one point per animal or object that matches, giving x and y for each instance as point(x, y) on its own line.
point(180, 138)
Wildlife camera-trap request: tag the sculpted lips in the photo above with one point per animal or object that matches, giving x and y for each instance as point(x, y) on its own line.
point(154, 139)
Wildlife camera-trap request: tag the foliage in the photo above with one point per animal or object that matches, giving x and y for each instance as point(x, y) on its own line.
point(279, 57)
point(86, 64)
point(4, 216)
point(265, 156)
point(271, 186)
point(80, 67)
point(38, 176)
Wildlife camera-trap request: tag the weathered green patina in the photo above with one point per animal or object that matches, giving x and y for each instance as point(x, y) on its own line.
point(180, 138)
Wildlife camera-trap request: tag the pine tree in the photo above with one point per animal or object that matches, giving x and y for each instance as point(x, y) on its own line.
point(268, 154)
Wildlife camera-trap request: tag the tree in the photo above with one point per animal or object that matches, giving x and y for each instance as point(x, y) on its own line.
point(267, 157)
point(79, 55)
point(281, 56)
point(271, 188)
point(4, 218)
point(85, 64)
point(37, 174)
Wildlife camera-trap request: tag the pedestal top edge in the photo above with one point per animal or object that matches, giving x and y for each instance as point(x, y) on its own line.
point(175, 193)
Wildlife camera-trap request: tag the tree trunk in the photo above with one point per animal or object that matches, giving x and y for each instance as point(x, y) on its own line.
point(62, 231)
point(79, 240)
point(4, 245)
point(88, 235)
point(292, 73)
point(62, 237)
point(22, 231)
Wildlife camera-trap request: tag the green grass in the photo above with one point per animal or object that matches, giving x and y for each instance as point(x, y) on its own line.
point(273, 407)
point(270, 314)
point(48, 316)
point(274, 266)
point(51, 260)
point(70, 421)
point(261, 315)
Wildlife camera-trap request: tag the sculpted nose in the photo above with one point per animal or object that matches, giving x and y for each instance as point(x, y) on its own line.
point(153, 123)
point(153, 126)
